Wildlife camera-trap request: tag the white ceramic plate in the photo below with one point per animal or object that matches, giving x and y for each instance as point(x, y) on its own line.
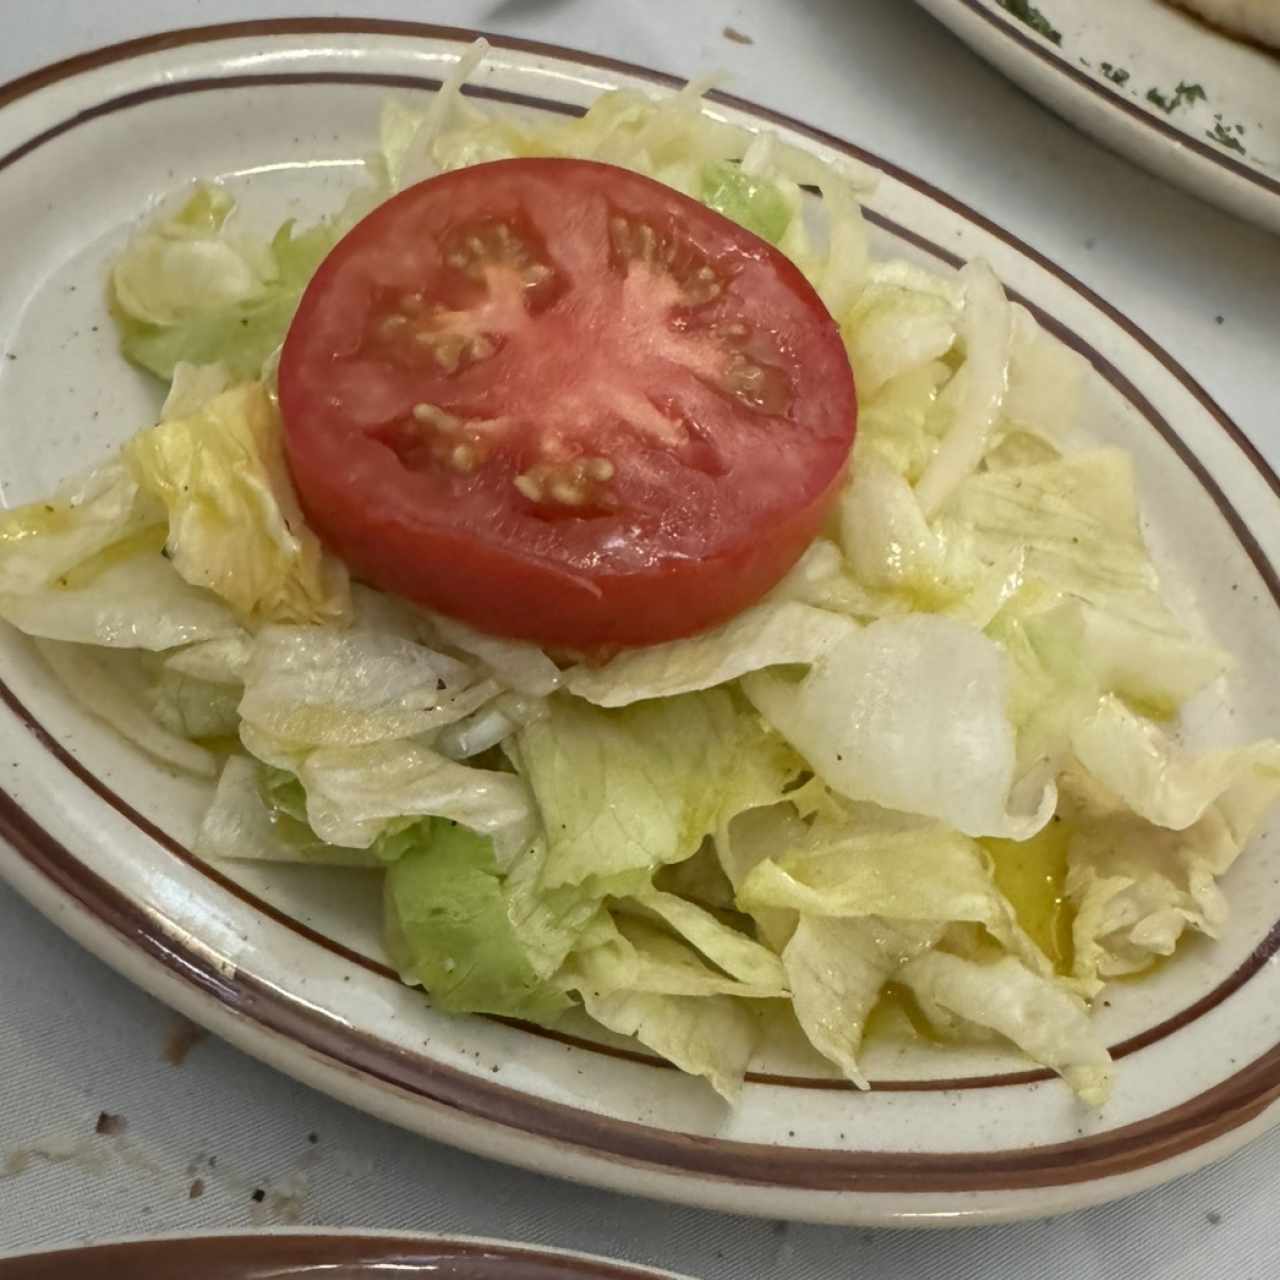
point(295, 1255)
point(1114, 70)
point(286, 963)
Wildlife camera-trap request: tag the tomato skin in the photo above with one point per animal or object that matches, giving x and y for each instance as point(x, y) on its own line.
point(469, 546)
point(497, 592)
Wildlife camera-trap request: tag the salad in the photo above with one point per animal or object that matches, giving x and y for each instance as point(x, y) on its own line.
point(809, 734)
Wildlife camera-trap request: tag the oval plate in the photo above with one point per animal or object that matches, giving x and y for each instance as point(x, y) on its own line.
point(285, 962)
point(352, 1255)
point(1150, 81)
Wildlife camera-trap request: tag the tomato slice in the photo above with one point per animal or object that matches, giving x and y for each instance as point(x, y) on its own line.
point(564, 403)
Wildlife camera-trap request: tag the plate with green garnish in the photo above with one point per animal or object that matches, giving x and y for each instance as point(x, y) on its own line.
point(1192, 101)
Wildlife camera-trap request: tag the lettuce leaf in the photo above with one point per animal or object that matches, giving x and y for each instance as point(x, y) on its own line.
point(743, 842)
point(1046, 382)
point(241, 824)
point(112, 685)
point(1075, 522)
point(836, 970)
point(1038, 1014)
point(1134, 760)
point(353, 793)
point(43, 541)
point(129, 598)
point(235, 527)
point(910, 713)
point(316, 686)
point(768, 635)
point(1153, 663)
point(628, 791)
point(454, 925)
point(986, 330)
point(1136, 887)
point(620, 953)
point(222, 661)
point(893, 330)
point(902, 868)
point(517, 664)
point(727, 948)
point(192, 708)
point(709, 1036)
point(186, 290)
point(755, 203)
point(897, 423)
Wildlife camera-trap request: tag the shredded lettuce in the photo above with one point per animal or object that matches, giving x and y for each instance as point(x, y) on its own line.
point(725, 947)
point(625, 792)
point(874, 862)
point(187, 290)
point(911, 713)
point(110, 685)
point(1045, 1020)
point(622, 953)
point(1134, 760)
point(192, 708)
point(354, 793)
point(131, 598)
point(757, 204)
point(709, 1036)
point(768, 635)
point(316, 686)
point(43, 541)
point(457, 927)
point(986, 329)
point(813, 802)
point(235, 526)
point(837, 969)
point(242, 824)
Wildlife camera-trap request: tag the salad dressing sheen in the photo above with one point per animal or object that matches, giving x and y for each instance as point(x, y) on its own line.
point(1031, 874)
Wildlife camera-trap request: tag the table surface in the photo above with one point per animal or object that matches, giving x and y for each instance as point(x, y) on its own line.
point(210, 1139)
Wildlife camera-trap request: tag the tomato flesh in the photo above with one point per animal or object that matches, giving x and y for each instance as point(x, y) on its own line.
point(564, 403)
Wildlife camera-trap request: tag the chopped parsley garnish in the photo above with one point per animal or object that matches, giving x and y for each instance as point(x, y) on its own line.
point(1026, 12)
point(1225, 138)
point(1184, 93)
point(1117, 75)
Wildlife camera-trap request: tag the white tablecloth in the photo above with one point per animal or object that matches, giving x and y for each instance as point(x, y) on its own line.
point(200, 1140)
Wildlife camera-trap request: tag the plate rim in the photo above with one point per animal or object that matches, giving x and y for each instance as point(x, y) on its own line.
point(27, 837)
point(1206, 157)
point(313, 1245)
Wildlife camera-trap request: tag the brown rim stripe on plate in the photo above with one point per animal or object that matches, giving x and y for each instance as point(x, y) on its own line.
point(1211, 1114)
point(1258, 956)
point(252, 1257)
point(1012, 28)
point(1217, 1111)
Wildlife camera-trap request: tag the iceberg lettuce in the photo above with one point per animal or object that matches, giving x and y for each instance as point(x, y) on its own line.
point(235, 527)
point(768, 635)
point(353, 793)
point(43, 541)
point(873, 862)
point(455, 926)
point(315, 686)
point(130, 598)
point(1037, 1013)
point(709, 1036)
point(112, 685)
point(241, 824)
point(631, 790)
point(187, 290)
point(1136, 886)
point(836, 970)
point(911, 713)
